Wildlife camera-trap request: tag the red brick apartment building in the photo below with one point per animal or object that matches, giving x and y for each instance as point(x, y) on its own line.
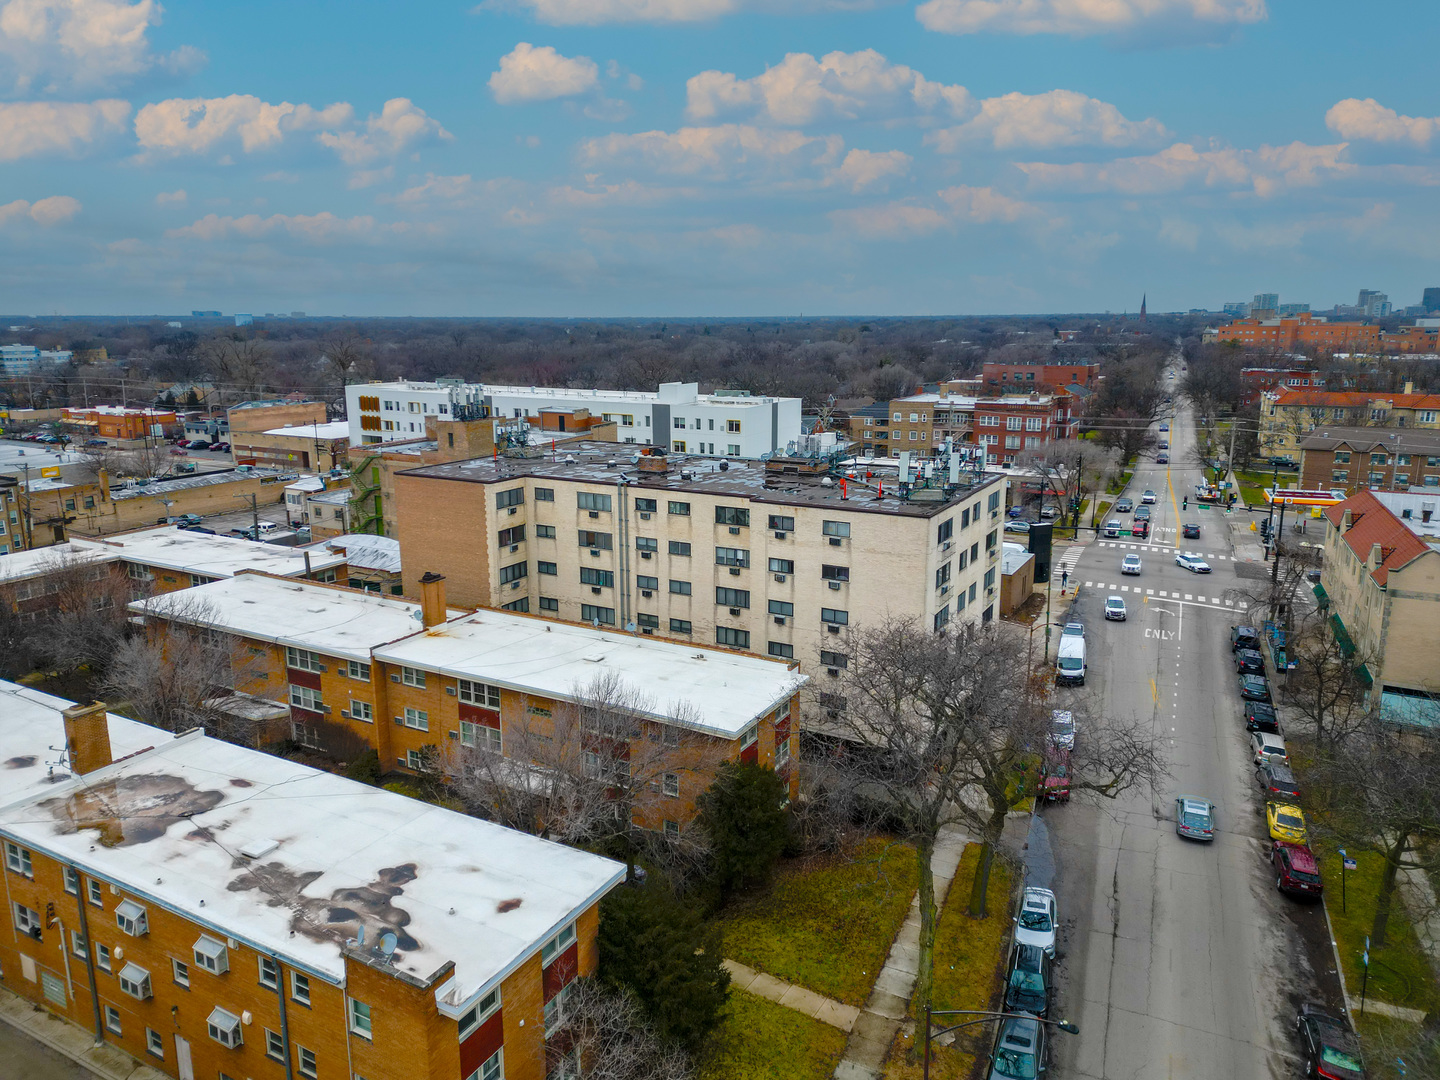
point(217, 912)
point(1023, 378)
point(1303, 329)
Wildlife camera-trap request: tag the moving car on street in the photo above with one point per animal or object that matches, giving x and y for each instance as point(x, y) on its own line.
point(1124, 506)
point(1035, 925)
point(1113, 527)
point(1130, 564)
point(1195, 818)
point(1286, 822)
point(1192, 562)
point(1328, 1046)
point(1296, 871)
point(1190, 530)
point(1115, 608)
point(1148, 496)
point(1162, 459)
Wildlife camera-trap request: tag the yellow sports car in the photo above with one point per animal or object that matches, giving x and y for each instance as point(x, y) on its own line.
point(1286, 822)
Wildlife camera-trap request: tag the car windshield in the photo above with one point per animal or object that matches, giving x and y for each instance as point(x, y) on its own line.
point(1028, 981)
point(1016, 1063)
point(1069, 663)
point(1289, 821)
point(1035, 920)
point(1305, 876)
point(1196, 819)
point(1063, 725)
point(1340, 1059)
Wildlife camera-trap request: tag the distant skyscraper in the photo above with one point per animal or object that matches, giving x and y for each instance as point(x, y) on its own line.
point(1238, 308)
point(244, 319)
point(1373, 303)
point(1265, 301)
point(1431, 301)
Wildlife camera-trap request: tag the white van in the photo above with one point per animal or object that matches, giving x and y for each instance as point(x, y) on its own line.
point(1070, 660)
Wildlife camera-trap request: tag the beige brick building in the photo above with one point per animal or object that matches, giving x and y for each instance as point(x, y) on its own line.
point(749, 556)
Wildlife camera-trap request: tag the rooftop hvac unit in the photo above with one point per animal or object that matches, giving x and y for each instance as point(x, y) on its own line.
point(779, 577)
point(734, 611)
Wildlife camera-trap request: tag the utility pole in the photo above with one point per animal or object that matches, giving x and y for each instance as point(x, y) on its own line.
point(254, 515)
point(1274, 486)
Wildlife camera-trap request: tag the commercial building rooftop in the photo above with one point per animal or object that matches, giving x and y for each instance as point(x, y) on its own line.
point(199, 480)
point(1364, 439)
point(293, 860)
point(338, 429)
point(365, 552)
point(609, 463)
point(711, 690)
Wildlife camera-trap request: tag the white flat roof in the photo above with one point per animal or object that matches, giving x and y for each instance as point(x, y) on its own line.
point(211, 556)
point(338, 429)
point(367, 552)
point(338, 622)
point(37, 562)
point(725, 691)
point(343, 855)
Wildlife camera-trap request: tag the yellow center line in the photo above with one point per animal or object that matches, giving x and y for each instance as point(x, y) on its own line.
point(1154, 692)
point(1169, 483)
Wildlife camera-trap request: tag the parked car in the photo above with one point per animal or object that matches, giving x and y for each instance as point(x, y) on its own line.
point(1286, 822)
point(1021, 527)
point(1035, 925)
point(179, 451)
point(1029, 981)
point(1055, 775)
point(1073, 629)
point(1164, 445)
point(1296, 870)
point(1264, 745)
point(1015, 511)
point(1049, 513)
point(1192, 562)
point(1148, 496)
point(1244, 637)
point(222, 447)
point(1020, 1050)
point(1276, 780)
point(96, 442)
point(1261, 717)
point(1255, 688)
point(1195, 818)
point(1165, 427)
point(1249, 662)
point(1113, 527)
point(1124, 506)
point(1190, 530)
point(1115, 608)
point(186, 521)
point(1130, 564)
point(1328, 1046)
point(1062, 729)
point(268, 527)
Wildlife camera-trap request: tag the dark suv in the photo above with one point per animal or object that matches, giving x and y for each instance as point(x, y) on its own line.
point(1276, 781)
point(1028, 987)
point(1249, 662)
point(1261, 717)
point(1244, 637)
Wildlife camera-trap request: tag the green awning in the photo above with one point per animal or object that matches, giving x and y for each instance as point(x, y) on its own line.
point(1320, 593)
point(1363, 674)
point(1347, 644)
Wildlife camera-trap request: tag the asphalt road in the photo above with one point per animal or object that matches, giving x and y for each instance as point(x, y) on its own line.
point(22, 1058)
point(1176, 958)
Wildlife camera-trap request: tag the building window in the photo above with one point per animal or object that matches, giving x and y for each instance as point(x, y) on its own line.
point(18, 859)
point(725, 556)
point(835, 616)
point(670, 785)
point(562, 940)
point(732, 515)
point(544, 494)
point(646, 543)
point(680, 509)
point(680, 588)
point(135, 981)
point(155, 1043)
point(834, 659)
point(212, 955)
point(224, 1028)
point(603, 578)
point(492, 1069)
point(513, 535)
point(645, 506)
point(410, 676)
point(590, 500)
point(604, 615)
point(418, 719)
point(645, 581)
point(72, 881)
point(306, 1062)
point(478, 1013)
point(782, 566)
point(782, 649)
point(274, 1045)
point(513, 497)
point(549, 603)
point(303, 659)
point(1340, 476)
point(591, 539)
point(478, 693)
point(678, 446)
point(362, 710)
point(732, 427)
point(546, 568)
point(781, 607)
point(680, 626)
point(360, 1019)
point(946, 530)
point(300, 988)
point(514, 572)
point(725, 635)
point(736, 598)
point(555, 1011)
point(545, 532)
point(303, 697)
point(481, 737)
point(81, 948)
point(180, 972)
point(680, 547)
point(102, 957)
point(130, 917)
point(112, 1020)
point(834, 573)
point(942, 617)
point(356, 670)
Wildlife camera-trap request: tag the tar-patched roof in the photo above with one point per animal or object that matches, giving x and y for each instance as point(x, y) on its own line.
point(366, 552)
point(338, 622)
point(172, 826)
point(721, 692)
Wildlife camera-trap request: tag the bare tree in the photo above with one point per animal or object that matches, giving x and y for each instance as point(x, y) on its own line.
point(179, 672)
point(936, 729)
point(1072, 467)
point(86, 620)
point(607, 1032)
point(602, 767)
point(240, 362)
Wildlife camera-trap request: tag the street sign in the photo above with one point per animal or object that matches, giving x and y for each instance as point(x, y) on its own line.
point(1351, 864)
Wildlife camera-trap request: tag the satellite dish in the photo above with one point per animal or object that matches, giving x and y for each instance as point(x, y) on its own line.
point(388, 941)
point(360, 935)
point(634, 459)
point(790, 449)
point(418, 615)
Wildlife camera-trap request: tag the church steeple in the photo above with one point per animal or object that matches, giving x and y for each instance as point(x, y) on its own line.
point(1143, 298)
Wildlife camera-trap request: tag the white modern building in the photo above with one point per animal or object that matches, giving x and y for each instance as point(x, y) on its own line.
point(24, 359)
point(727, 423)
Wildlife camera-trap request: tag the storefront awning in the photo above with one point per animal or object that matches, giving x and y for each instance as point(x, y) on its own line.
point(1347, 644)
point(1320, 593)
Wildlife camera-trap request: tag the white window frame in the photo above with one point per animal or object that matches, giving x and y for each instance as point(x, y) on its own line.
point(417, 719)
point(670, 785)
point(307, 698)
point(479, 693)
point(362, 1023)
point(478, 1013)
point(356, 670)
point(415, 677)
point(492, 1068)
point(131, 918)
point(112, 1020)
point(274, 1045)
point(212, 955)
point(298, 980)
point(180, 972)
point(303, 659)
point(225, 1028)
point(556, 946)
point(481, 736)
point(362, 711)
point(268, 977)
point(17, 859)
point(154, 1043)
point(135, 981)
point(307, 1068)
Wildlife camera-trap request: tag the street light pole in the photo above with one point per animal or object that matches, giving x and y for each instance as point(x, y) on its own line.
point(1275, 539)
point(985, 1018)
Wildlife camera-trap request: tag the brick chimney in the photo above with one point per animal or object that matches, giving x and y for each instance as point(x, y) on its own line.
point(87, 737)
point(432, 599)
point(653, 462)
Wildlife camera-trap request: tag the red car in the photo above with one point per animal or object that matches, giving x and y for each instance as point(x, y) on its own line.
point(1296, 871)
point(1055, 776)
point(1141, 527)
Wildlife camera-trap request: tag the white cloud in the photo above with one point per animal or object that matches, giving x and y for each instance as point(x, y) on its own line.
point(1265, 170)
point(323, 227)
point(961, 205)
point(1084, 17)
point(983, 205)
point(596, 12)
point(1180, 233)
point(846, 86)
point(167, 198)
point(46, 212)
point(400, 126)
point(197, 125)
point(1368, 119)
point(32, 128)
point(728, 151)
point(53, 45)
point(866, 168)
point(528, 73)
point(438, 189)
point(1057, 118)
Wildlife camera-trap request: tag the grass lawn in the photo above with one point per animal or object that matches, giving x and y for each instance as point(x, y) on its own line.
point(1253, 485)
point(764, 1041)
point(969, 966)
point(1118, 484)
point(826, 923)
point(1399, 973)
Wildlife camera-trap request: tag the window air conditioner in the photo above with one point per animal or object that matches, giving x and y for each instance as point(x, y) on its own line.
point(514, 584)
point(594, 513)
point(648, 629)
point(835, 585)
point(595, 552)
point(514, 548)
point(595, 589)
point(647, 554)
point(834, 541)
point(735, 570)
point(780, 535)
point(944, 589)
point(644, 516)
point(450, 690)
point(734, 611)
point(832, 671)
point(394, 677)
point(779, 577)
point(834, 628)
point(779, 620)
point(947, 545)
point(646, 592)
point(734, 530)
point(512, 511)
point(345, 713)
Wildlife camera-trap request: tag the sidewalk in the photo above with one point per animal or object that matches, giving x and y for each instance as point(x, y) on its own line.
point(826, 1010)
point(875, 1028)
point(75, 1043)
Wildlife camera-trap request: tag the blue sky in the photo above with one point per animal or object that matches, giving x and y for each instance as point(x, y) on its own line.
point(714, 157)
